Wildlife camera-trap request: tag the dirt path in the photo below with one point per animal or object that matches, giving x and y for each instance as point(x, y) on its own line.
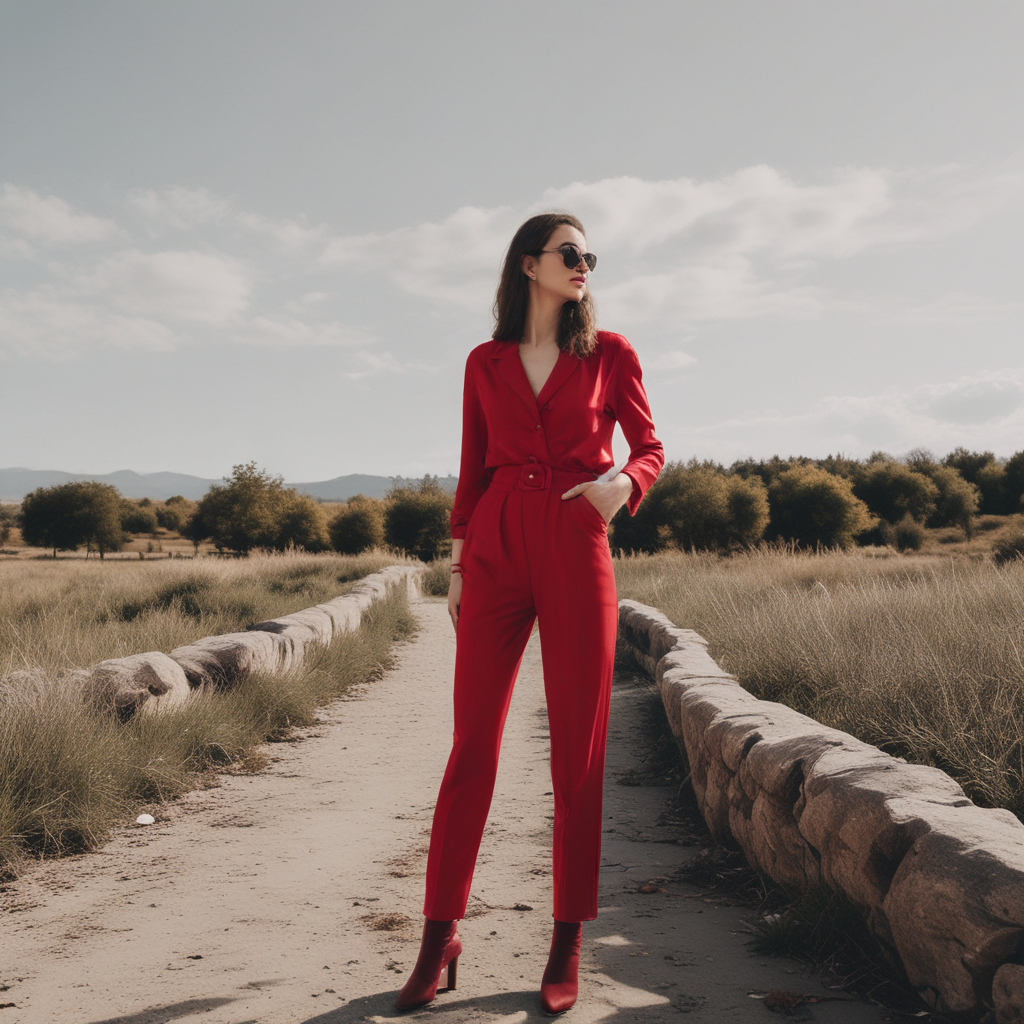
point(294, 896)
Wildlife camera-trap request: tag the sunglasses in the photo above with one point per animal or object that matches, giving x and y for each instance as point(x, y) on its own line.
point(571, 256)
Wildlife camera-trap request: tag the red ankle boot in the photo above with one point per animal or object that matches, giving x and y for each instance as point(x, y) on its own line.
point(439, 948)
point(558, 988)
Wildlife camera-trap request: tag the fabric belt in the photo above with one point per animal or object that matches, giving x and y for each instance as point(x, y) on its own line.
point(535, 476)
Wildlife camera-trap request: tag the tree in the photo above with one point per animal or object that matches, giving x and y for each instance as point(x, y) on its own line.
point(416, 518)
point(991, 482)
point(241, 514)
point(253, 509)
point(7, 520)
point(175, 512)
point(359, 526)
point(1014, 482)
point(696, 507)
point(138, 518)
point(957, 500)
point(892, 490)
point(301, 523)
point(69, 515)
point(100, 513)
point(811, 506)
point(968, 464)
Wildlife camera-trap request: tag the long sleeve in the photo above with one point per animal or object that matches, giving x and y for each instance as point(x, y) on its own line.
point(631, 409)
point(473, 475)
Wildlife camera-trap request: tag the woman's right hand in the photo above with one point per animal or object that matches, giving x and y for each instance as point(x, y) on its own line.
point(455, 598)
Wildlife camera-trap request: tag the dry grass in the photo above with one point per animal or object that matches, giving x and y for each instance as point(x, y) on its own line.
point(921, 656)
point(71, 613)
point(67, 777)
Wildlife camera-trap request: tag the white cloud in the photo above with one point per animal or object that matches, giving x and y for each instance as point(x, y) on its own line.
point(672, 360)
point(55, 326)
point(292, 332)
point(49, 220)
point(174, 285)
point(455, 261)
point(739, 246)
point(984, 410)
point(185, 209)
point(181, 208)
point(959, 306)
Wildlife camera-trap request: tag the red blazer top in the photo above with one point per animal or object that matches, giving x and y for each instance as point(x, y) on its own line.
point(568, 426)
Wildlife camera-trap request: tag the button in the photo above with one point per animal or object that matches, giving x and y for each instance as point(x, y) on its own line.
point(537, 426)
point(532, 459)
point(529, 476)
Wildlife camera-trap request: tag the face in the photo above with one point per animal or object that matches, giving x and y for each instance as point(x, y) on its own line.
point(549, 272)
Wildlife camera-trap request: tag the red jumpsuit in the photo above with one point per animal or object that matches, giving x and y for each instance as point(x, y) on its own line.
point(528, 554)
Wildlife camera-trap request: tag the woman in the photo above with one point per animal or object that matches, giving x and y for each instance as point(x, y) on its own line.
point(529, 541)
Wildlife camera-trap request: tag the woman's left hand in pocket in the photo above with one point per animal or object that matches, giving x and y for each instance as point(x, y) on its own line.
point(607, 496)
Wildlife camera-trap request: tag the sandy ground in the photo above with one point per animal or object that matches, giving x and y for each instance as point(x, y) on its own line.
point(294, 896)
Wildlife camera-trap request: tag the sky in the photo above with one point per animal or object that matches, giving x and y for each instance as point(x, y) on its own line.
point(246, 230)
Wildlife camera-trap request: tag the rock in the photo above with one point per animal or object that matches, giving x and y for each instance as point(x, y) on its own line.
point(956, 904)
point(344, 615)
point(221, 661)
point(123, 686)
point(1008, 994)
point(312, 626)
point(940, 881)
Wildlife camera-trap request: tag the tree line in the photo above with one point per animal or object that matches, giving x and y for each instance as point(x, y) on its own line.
point(831, 502)
point(251, 510)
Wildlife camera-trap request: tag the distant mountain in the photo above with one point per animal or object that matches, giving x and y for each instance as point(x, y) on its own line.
point(341, 488)
point(16, 483)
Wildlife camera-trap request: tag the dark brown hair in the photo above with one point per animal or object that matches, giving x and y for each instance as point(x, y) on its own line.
point(577, 332)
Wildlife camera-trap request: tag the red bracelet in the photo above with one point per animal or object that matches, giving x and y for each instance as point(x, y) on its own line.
point(457, 568)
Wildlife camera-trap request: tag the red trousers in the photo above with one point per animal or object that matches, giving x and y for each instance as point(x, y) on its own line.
point(529, 555)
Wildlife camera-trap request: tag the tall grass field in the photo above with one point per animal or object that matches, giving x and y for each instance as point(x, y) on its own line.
point(921, 656)
point(73, 613)
point(68, 776)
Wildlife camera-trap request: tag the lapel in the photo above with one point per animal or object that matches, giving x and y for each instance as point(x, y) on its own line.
point(510, 368)
point(565, 367)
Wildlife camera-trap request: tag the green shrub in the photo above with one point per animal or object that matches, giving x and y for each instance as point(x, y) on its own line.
point(695, 507)
point(175, 512)
point(416, 519)
point(359, 526)
point(957, 501)
point(908, 534)
point(921, 460)
point(813, 507)
point(7, 519)
point(748, 511)
point(301, 523)
point(891, 490)
point(968, 464)
point(1009, 548)
point(1013, 482)
point(991, 483)
point(138, 518)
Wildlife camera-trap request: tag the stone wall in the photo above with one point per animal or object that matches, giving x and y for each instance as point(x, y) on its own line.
point(152, 682)
point(940, 881)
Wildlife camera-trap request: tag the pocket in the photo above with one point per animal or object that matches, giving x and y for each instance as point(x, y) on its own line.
point(591, 510)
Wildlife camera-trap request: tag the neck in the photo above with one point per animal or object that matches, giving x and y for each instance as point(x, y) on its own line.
point(542, 318)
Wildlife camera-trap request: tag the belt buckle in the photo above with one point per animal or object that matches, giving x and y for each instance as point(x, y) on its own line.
point(534, 476)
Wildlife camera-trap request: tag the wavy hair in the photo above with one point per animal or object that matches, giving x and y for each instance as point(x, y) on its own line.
point(577, 330)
